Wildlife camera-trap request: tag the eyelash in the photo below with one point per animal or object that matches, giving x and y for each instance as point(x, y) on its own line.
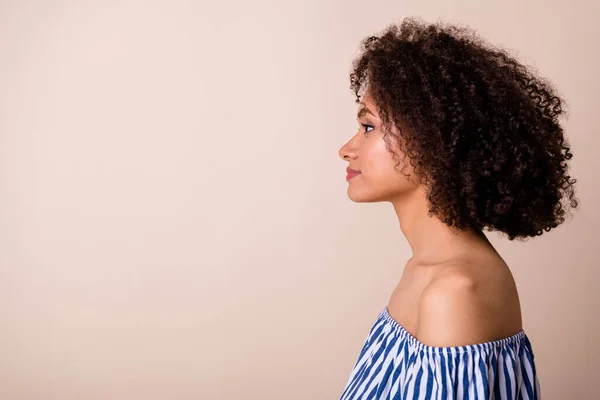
point(367, 126)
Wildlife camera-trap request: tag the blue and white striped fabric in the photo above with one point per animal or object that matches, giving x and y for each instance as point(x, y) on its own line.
point(394, 365)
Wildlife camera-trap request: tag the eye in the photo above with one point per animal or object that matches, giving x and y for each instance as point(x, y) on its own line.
point(367, 126)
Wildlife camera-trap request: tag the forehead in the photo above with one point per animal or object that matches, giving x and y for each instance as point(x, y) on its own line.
point(367, 105)
point(367, 99)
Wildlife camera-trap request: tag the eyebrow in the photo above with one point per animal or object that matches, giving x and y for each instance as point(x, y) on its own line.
point(364, 110)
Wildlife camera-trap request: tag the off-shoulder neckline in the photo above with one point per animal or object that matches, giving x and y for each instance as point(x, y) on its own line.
point(454, 349)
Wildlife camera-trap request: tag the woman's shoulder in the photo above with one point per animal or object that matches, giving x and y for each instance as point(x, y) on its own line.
point(469, 302)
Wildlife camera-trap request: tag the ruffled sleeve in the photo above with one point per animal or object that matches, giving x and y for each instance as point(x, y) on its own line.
point(394, 365)
point(498, 370)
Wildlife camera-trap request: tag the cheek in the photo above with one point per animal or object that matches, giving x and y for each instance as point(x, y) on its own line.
point(380, 161)
point(384, 169)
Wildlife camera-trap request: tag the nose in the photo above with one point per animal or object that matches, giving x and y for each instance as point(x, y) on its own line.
point(348, 151)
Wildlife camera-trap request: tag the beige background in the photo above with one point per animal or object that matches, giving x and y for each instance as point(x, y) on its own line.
point(173, 213)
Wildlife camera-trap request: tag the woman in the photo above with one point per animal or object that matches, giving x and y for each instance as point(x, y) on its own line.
point(459, 137)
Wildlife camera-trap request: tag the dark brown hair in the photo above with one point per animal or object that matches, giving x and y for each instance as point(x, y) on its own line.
point(480, 129)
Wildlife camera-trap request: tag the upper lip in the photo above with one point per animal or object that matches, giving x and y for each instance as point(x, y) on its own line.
point(350, 170)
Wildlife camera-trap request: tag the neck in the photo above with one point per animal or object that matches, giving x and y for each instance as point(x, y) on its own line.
point(431, 240)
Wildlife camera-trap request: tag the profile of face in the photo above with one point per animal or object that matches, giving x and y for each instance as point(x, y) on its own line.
point(378, 178)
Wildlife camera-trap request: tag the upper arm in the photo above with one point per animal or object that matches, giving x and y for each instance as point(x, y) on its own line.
point(453, 312)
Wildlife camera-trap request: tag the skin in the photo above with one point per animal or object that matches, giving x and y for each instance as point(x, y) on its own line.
point(456, 289)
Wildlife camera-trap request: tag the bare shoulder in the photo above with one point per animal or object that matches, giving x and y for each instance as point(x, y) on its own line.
point(463, 306)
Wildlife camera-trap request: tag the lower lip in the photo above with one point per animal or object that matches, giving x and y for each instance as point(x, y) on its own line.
point(351, 175)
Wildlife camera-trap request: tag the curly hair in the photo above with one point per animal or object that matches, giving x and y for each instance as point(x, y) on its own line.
point(480, 130)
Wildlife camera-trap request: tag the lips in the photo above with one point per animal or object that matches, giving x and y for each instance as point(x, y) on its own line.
point(351, 173)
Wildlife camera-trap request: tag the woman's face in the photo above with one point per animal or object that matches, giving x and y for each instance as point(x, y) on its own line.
point(378, 179)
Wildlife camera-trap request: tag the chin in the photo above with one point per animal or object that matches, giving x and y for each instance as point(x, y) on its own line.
point(379, 193)
point(366, 196)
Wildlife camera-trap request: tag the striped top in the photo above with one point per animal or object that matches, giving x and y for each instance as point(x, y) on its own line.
point(394, 365)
